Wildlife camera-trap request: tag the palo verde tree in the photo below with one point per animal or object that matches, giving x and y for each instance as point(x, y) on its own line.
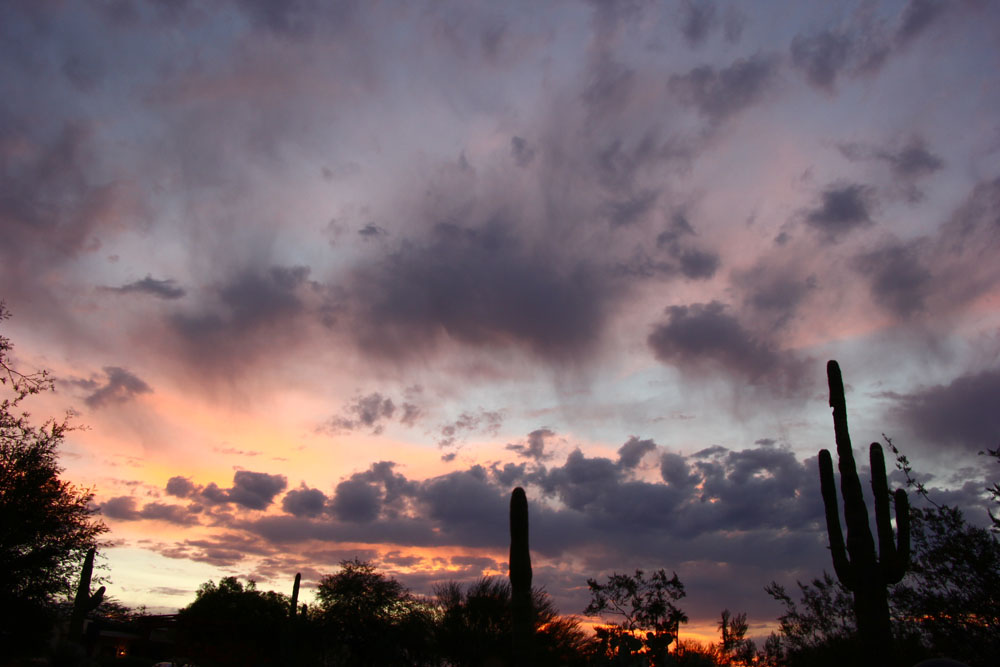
point(47, 525)
point(645, 619)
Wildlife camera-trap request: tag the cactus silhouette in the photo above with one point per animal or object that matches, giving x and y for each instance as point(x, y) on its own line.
point(84, 602)
point(295, 594)
point(520, 579)
point(856, 564)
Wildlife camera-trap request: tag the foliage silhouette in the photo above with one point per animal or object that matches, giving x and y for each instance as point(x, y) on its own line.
point(474, 626)
point(368, 618)
point(646, 622)
point(857, 566)
point(47, 525)
point(230, 624)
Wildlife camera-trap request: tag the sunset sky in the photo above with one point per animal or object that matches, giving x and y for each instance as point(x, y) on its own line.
point(326, 280)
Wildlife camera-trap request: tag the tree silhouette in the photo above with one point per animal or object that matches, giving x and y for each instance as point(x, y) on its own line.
point(646, 620)
point(47, 525)
point(370, 619)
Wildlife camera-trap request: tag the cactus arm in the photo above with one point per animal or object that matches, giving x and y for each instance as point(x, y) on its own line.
point(84, 602)
point(902, 561)
point(841, 564)
point(880, 489)
point(860, 544)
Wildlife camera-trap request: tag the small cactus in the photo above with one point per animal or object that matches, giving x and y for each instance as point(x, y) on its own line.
point(520, 578)
point(856, 564)
point(84, 602)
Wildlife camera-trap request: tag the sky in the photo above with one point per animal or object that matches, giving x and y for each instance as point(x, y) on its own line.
point(326, 280)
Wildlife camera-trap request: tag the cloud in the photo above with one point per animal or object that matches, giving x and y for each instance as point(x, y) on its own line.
point(709, 335)
point(161, 289)
point(369, 412)
point(534, 448)
point(842, 209)
point(467, 423)
point(252, 490)
point(124, 508)
point(256, 490)
point(917, 17)
point(181, 487)
point(962, 412)
point(304, 502)
point(120, 386)
point(481, 287)
point(633, 450)
point(720, 94)
point(899, 280)
point(697, 20)
point(522, 153)
point(909, 163)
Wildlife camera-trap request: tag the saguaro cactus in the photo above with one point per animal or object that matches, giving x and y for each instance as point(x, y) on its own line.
point(857, 566)
point(84, 602)
point(520, 578)
point(295, 595)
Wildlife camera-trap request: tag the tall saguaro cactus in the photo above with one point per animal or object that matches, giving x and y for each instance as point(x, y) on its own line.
point(520, 578)
point(295, 595)
point(859, 569)
point(84, 602)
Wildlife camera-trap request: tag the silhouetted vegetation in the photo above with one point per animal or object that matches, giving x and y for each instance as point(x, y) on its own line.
point(47, 525)
point(645, 619)
point(930, 590)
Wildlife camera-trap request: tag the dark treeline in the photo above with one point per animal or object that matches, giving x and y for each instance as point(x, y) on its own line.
point(925, 584)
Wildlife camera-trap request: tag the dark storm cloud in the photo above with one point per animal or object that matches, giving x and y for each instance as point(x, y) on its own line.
point(694, 263)
point(719, 94)
point(699, 264)
point(709, 334)
point(119, 387)
point(898, 278)
point(842, 209)
point(371, 231)
point(774, 291)
point(963, 412)
point(304, 502)
point(162, 289)
point(480, 287)
point(534, 447)
point(633, 450)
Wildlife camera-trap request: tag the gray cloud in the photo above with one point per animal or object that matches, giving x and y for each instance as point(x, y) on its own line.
point(962, 412)
point(368, 412)
point(479, 287)
point(697, 20)
point(467, 423)
point(842, 209)
point(719, 94)
point(522, 153)
point(119, 387)
point(899, 280)
point(181, 487)
point(256, 490)
point(304, 502)
point(708, 334)
point(124, 508)
point(633, 450)
point(161, 289)
point(534, 447)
